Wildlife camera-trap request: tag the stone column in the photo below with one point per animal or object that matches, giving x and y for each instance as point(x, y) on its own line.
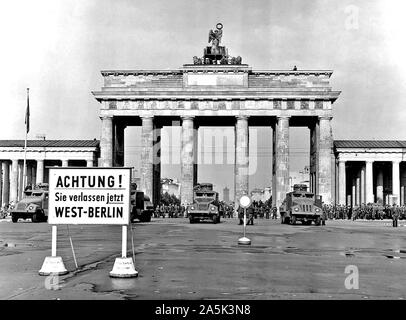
point(314, 156)
point(342, 182)
point(89, 163)
point(187, 159)
point(379, 186)
point(64, 163)
point(14, 181)
point(29, 173)
point(157, 164)
point(6, 182)
point(396, 181)
point(362, 185)
point(1, 183)
point(241, 158)
point(402, 186)
point(33, 175)
point(281, 159)
point(20, 183)
point(118, 145)
point(353, 192)
point(195, 154)
point(358, 188)
point(40, 171)
point(324, 155)
point(369, 187)
point(147, 156)
point(106, 142)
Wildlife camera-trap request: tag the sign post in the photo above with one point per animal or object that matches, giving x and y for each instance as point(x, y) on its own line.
point(245, 202)
point(123, 267)
point(53, 264)
point(98, 196)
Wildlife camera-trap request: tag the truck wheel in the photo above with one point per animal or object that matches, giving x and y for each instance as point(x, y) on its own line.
point(293, 220)
point(282, 219)
point(317, 222)
point(215, 219)
point(14, 218)
point(34, 217)
point(191, 220)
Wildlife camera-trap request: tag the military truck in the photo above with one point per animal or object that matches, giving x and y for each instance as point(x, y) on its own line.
point(301, 205)
point(205, 204)
point(141, 205)
point(34, 205)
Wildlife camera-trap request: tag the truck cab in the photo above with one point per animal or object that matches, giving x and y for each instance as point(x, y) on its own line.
point(205, 205)
point(33, 206)
point(141, 205)
point(301, 205)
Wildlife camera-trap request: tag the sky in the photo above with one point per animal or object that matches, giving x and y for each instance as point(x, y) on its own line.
point(57, 49)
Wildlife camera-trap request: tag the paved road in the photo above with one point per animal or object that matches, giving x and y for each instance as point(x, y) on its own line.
point(178, 260)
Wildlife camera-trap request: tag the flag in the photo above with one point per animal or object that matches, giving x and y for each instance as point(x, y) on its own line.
point(27, 112)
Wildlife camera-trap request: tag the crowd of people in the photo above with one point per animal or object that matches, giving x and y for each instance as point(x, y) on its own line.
point(169, 210)
point(259, 209)
point(370, 211)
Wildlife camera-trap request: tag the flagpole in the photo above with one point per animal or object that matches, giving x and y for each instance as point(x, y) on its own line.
point(25, 148)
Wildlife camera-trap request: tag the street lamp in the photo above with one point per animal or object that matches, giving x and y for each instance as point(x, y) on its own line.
point(245, 202)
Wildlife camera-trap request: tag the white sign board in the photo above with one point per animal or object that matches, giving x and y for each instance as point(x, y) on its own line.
point(89, 195)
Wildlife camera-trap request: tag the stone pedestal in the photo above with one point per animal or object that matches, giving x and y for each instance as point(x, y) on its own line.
point(106, 142)
point(187, 160)
point(147, 140)
point(281, 156)
point(241, 158)
point(325, 150)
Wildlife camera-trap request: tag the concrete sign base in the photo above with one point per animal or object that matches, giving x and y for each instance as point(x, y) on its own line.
point(53, 265)
point(123, 268)
point(244, 241)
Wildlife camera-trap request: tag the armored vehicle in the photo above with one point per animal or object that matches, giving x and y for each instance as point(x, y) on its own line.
point(205, 204)
point(301, 205)
point(34, 205)
point(141, 205)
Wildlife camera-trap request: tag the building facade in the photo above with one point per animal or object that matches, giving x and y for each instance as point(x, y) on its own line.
point(40, 154)
point(370, 171)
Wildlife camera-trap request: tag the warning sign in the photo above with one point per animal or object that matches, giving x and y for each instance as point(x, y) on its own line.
point(89, 195)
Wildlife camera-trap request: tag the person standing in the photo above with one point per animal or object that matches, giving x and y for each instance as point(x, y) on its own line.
point(250, 214)
point(274, 213)
point(395, 215)
point(240, 211)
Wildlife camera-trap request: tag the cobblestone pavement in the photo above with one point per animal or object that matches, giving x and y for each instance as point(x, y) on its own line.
point(178, 260)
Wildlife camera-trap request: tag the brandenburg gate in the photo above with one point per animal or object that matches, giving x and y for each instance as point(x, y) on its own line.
point(219, 90)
